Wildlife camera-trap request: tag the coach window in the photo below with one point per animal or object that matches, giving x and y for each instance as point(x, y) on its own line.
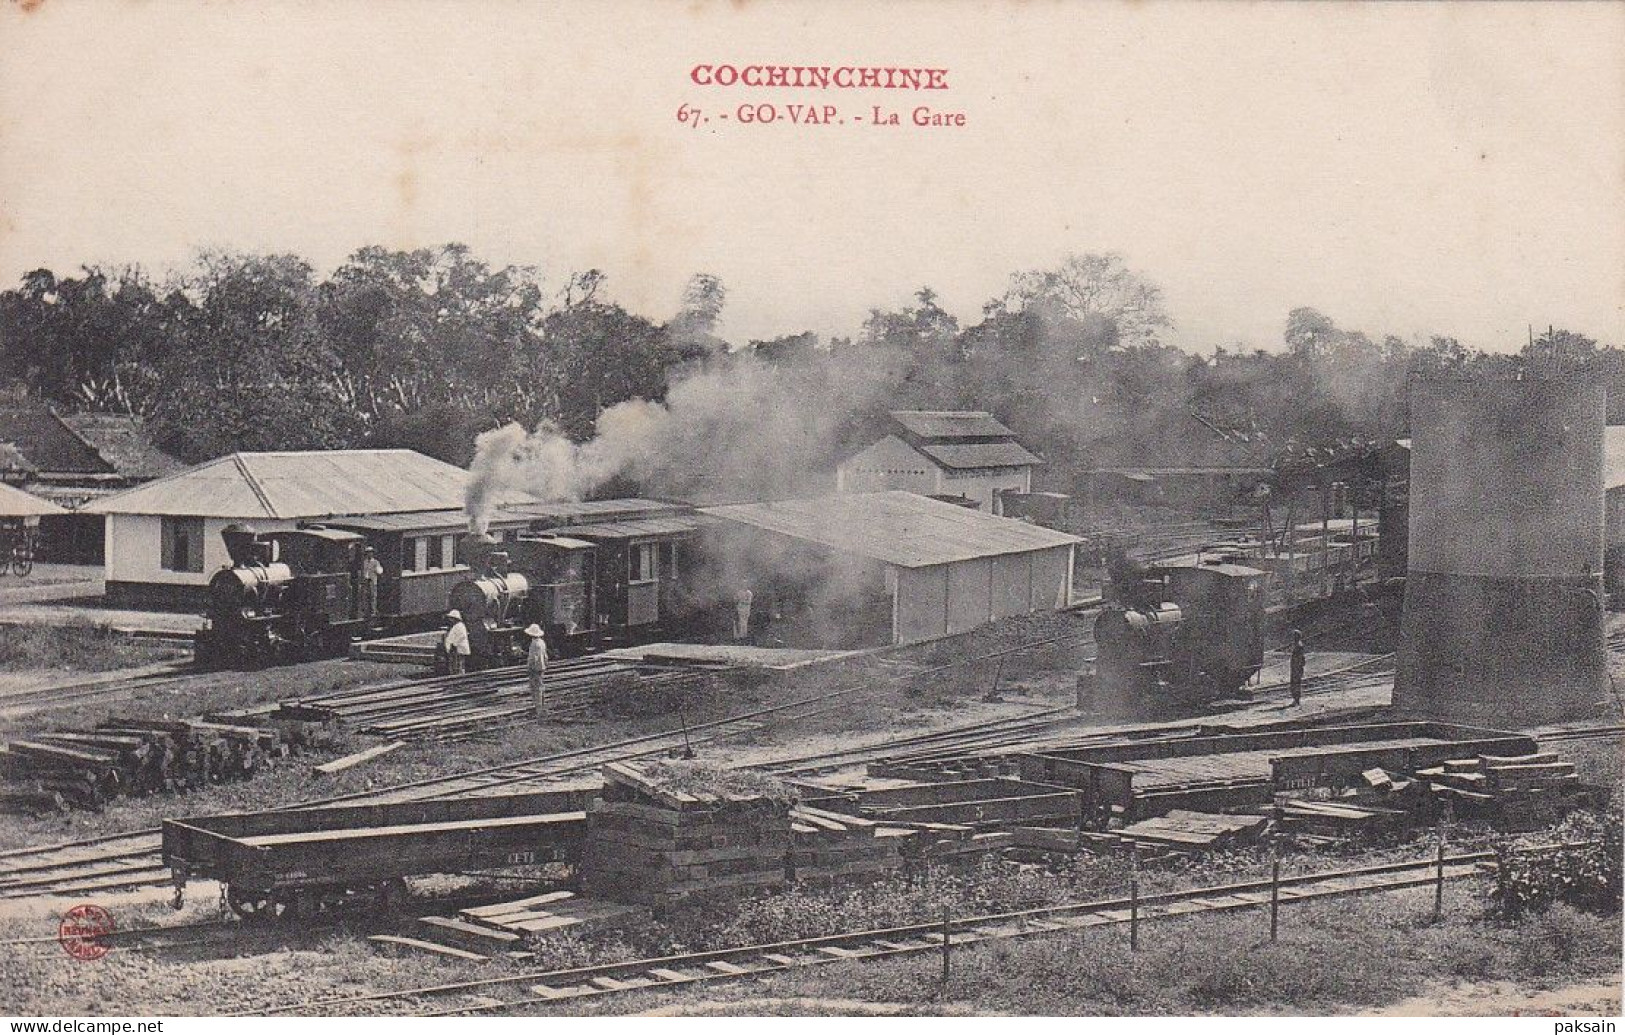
point(420, 553)
point(181, 547)
point(641, 563)
point(448, 551)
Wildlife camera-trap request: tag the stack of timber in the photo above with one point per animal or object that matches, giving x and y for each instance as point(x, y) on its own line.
point(828, 847)
point(461, 707)
point(1337, 820)
point(665, 835)
point(1180, 832)
point(1519, 792)
point(947, 845)
point(84, 767)
point(987, 804)
point(505, 928)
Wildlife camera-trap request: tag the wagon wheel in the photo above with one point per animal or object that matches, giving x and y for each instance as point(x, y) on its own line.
point(251, 906)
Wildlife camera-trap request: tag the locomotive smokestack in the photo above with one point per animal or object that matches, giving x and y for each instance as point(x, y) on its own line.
point(1503, 613)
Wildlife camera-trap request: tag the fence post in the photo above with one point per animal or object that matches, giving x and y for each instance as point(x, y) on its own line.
point(1134, 898)
point(1275, 897)
point(1438, 880)
point(947, 942)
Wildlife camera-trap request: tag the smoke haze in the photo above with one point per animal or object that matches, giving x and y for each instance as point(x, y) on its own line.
point(740, 430)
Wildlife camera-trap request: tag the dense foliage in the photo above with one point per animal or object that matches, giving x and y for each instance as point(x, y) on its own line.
point(426, 348)
point(1583, 873)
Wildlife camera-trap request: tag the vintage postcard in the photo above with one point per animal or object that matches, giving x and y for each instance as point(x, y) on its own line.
point(549, 508)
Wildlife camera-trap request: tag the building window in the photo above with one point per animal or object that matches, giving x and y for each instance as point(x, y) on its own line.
point(181, 546)
point(428, 552)
point(641, 563)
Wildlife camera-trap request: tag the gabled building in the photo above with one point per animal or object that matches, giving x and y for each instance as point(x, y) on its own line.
point(163, 538)
point(963, 456)
point(72, 459)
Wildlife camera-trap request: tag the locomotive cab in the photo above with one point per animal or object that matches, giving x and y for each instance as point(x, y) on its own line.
point(1184, 632)
point(290, 592)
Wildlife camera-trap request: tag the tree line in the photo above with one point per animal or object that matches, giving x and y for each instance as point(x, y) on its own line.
point(426, 348)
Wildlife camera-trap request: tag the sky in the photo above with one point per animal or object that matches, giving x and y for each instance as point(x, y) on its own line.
point(1444, 168)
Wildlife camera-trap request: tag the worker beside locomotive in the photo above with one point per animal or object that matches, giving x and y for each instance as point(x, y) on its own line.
point(592, 573)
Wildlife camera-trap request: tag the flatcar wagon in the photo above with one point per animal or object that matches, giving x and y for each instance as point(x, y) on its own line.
point(298, 862)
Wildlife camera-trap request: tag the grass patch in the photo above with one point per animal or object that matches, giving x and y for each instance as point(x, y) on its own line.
point(80, 646)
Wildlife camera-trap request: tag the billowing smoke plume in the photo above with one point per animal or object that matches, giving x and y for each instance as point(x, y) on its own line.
point(743, 430)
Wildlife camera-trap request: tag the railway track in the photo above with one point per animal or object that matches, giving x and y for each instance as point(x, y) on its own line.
point(63, 695)
point(133, 860)
point(531, 989)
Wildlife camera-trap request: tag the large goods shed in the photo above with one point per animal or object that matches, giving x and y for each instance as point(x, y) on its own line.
point(946, 569)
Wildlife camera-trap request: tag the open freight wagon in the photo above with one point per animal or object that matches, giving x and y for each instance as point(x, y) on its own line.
point(299, 861)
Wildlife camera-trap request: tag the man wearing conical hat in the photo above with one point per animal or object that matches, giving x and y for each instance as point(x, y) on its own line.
point(536, 668)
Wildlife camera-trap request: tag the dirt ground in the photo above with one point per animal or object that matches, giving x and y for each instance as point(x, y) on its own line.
point(1504, 999)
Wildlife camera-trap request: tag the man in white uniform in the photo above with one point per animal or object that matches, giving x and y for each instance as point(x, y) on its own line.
point(536, 669)
point(455, 643)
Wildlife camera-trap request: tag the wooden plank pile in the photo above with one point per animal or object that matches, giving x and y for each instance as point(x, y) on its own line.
point(1519, 791)
point(462, 707)
point(950, 845)
point(983, 803)
point(480, 933)
point(83, 768)
point(664, 834)
point(1338, 820)
point(1180, 832)
point(827, 847)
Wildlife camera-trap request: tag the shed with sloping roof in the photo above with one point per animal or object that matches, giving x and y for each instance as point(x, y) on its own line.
point(162, 538)
point(921, 567)
point(966, 453)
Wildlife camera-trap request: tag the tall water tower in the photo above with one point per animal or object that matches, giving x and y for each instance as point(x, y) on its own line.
point(1503, 613)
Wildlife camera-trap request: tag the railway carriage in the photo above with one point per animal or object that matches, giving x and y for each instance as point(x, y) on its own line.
point(591, 573)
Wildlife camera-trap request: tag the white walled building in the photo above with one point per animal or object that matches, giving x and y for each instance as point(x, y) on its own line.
point(163, 540)
point(966, 454)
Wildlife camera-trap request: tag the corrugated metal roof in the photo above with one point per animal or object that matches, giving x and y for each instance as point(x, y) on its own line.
point(17, 503)
point(1613, 457)
point(566, 512)
point(951, 424)
point(423, 521)
point(897, 528)
point(644, 528)
point(980, 454)
point(298, 485)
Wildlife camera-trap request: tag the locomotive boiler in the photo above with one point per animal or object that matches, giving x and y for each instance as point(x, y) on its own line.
point(544, 579)
point(287, 594)
point(1183, 632)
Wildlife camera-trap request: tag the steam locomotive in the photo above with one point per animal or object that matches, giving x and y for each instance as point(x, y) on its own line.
point(1185, 632)
point(589, 573)
point(287, 594)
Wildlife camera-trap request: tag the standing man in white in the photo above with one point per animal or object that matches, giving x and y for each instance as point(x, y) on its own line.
point(536, 669)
